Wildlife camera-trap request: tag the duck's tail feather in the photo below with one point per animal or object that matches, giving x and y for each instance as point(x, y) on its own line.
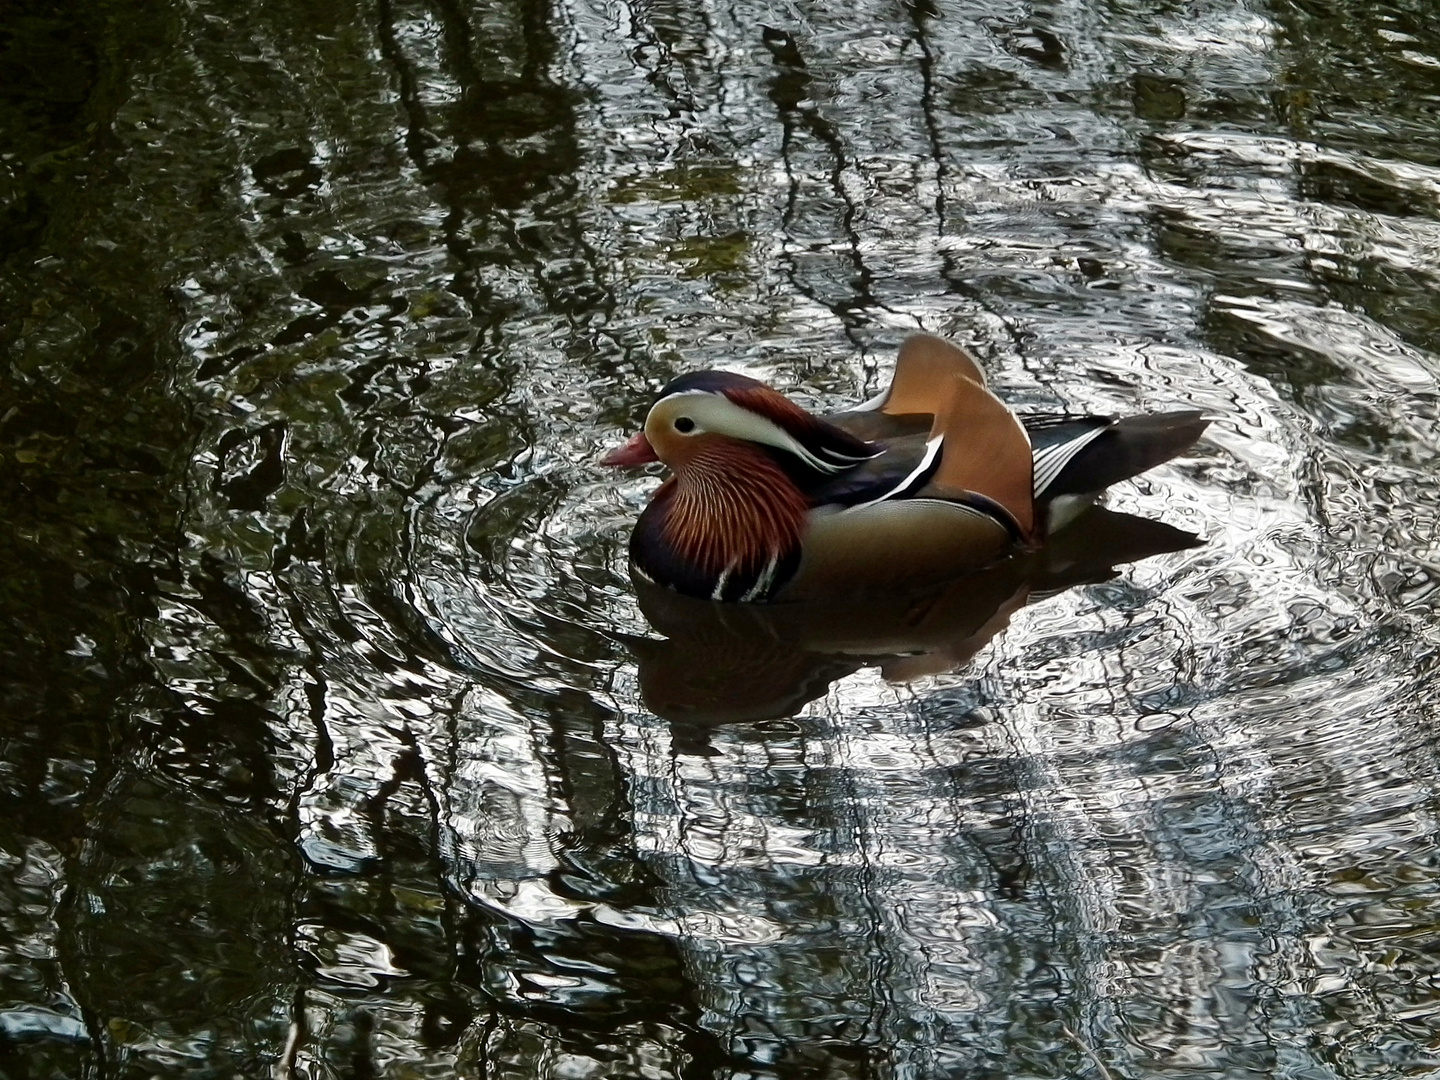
point(1127, 448)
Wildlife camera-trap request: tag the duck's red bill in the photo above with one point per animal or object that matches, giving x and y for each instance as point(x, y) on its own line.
point(637, 451)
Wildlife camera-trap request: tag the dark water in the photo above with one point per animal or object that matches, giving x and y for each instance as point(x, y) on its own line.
point(322, 753)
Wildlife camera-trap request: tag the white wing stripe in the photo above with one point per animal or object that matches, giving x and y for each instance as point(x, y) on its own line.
point(761, 588)
point(1051, 461)
point(719, 593)
point(875, 403)
point(932, 448)
point(848, 459)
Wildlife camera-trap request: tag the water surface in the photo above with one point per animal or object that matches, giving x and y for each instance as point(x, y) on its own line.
point(323, 753)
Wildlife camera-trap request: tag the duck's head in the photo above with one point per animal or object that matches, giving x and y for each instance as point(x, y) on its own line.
point(745, 459)
point(711, 418)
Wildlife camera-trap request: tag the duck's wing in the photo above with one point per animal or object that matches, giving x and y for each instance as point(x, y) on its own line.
point(929, 507)
point(1085, 455)
point(876, 426)
point(924, 369)
point(1056, 442)
point(983, 450)
point(886, 525)
point(905, 465)
point(1070, 455)
point(975, 452)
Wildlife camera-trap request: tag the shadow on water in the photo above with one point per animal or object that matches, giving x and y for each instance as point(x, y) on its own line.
point(322, 753)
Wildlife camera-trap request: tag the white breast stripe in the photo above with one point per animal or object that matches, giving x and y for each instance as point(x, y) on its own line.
point(719, 593)
point(763, 582)
point(1051, 461)
point(932, 448)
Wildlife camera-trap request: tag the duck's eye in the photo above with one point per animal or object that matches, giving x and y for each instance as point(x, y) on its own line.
point(684, 425)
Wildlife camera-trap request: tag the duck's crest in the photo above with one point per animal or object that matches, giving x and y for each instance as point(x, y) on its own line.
point(837, 449)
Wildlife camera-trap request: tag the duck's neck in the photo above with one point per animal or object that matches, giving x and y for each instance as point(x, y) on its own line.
point(729, 527)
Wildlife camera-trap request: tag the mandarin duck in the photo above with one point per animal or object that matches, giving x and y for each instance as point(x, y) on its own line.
point(929, 480)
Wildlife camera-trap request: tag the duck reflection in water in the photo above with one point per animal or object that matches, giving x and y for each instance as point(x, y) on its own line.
point(789, 549)
point(722, 663)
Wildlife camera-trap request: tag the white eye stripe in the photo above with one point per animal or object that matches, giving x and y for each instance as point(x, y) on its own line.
point(717, 413)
